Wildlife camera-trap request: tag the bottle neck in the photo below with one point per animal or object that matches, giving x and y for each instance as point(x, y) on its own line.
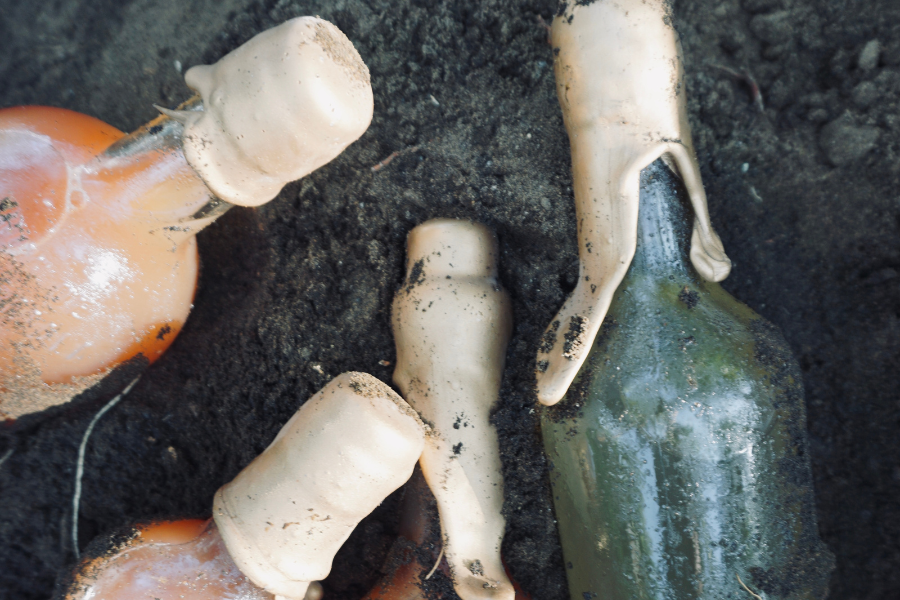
point(665, 221)
point(144, 179)
point(451, 248)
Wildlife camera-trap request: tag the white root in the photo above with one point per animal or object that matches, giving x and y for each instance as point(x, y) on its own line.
point(6, 456)
point(182, 116)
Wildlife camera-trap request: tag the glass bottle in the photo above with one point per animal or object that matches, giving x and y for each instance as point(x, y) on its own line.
point(277, 526)
point(173, 560)
point(679, 464)
point(106, 268)
point(98, 261)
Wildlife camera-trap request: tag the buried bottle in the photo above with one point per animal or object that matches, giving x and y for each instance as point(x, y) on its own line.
point(679, 454)
point(277, 526)
point(98, 259)
point(451, 322)
point(98, 266)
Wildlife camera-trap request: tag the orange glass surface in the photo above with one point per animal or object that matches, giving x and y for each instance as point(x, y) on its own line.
point(159, 564)
point(94, 268)
point(79, 137)
point(403, 583)
point(173, 532)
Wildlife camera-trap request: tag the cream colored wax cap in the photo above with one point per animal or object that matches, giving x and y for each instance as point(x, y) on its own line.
point(276, 109)
point(284, 517)
point(620, 83)
point(452, 322)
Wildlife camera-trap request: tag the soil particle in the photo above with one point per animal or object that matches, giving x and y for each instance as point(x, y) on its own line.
point(774, 28)
point(475, 567)
point(865, 94)
point(367, 386)
point(868, 58)
point(574, 337)
point(843, 142)
point(758, 6)
point(341, 52)
point(460, 421)
point(548, 340)
point(689, 297)
point(416, 275)
point(370, 387)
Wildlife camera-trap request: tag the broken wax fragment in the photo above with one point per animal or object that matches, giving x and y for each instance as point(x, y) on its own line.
point(277, 526)
point(451, 322)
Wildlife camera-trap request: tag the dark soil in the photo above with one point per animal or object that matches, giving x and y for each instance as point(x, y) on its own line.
point(804, 194)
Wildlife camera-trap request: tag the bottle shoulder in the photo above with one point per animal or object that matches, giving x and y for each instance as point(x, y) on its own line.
point(676, 344)
point(478, 298)
point(40, 147)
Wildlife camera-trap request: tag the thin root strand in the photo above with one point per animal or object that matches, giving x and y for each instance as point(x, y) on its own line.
point(749, 591)
point(745, 76)
point(436, 563)
point(546, 27)
point(79, 468)
point(6, 456)
point(392, 156)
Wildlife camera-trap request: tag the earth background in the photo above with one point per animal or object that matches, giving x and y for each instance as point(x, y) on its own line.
point(805, 194)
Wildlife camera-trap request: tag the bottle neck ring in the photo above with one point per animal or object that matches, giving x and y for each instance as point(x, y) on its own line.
point(665, 220)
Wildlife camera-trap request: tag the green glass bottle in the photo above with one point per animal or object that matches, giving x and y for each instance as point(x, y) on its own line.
point(679, 463)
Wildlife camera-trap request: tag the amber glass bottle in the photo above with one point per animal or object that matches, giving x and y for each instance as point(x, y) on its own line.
point(679, 462)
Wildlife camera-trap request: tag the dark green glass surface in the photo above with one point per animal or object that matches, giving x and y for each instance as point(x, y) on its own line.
point(678, 456)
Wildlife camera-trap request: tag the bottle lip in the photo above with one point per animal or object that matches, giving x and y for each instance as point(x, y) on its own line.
point(275, 109)
point(341, 454)
point(452, 247)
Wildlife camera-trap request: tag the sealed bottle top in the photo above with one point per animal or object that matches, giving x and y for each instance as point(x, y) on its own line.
point(284, 517)
point(275, 109)
point(98, 259)
point(620, 82)
point(453, 247)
